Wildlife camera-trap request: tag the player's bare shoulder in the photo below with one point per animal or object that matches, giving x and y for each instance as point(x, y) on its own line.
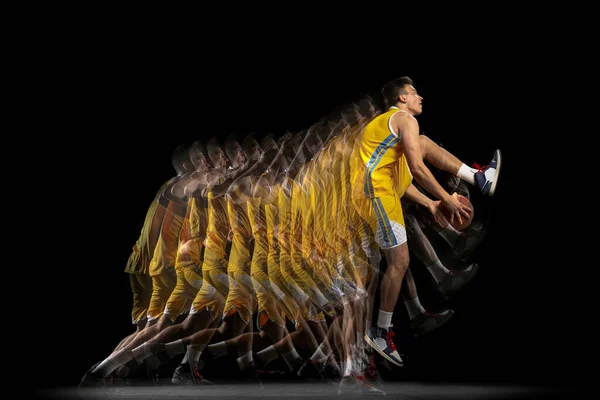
point(402, 121)
point(214, 177)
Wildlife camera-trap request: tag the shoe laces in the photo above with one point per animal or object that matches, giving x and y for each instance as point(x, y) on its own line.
point(371, 367)
point(197, 374)
point(363, 381)
point(479, 167)
point(372, 362)
point(389, 336)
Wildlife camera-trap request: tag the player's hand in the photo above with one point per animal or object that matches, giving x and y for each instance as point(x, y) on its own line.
point(436, 210)
point(457, 209)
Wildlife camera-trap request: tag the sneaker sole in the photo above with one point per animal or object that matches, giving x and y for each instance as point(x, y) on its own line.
point(498, 164)
point(177, 380)
point(376, 348)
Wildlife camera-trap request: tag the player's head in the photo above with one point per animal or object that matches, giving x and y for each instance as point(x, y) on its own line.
point(401, 93)
point(216, 154)
point(180, 159)
point(234, 151)
point(367, 108)
point(251, 148)
point(198, 157)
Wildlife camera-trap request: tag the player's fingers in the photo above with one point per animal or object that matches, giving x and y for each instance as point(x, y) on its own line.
point(466, 208)
point(459, 218)
point(466, 212)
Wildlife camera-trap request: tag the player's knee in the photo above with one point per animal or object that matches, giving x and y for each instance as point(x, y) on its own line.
point(399, 265)
point(166, 320)
point(410, 220)
point(141, 324)
point(424, 143)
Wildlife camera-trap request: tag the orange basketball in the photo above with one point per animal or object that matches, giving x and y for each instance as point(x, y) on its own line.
point(465, 221)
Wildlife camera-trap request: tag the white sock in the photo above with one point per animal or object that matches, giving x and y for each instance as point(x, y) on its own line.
point(414, 308)
point(384, 320)
point(292, 359)
point(105, 368)
point(245, 360)
point(113, 362)
point(218, 350)
point(348, 366)
point(174, 348)
point(267, 355)
point(193, 355)
point(141, 352)
point(466, 173)
point(358, 363)
point(450, 235)
point(319, 355)
point(438, 271)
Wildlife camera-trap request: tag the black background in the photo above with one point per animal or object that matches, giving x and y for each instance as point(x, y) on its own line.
point(111, 108)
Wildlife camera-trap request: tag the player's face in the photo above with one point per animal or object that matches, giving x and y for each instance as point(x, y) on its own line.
point(238, 158)
point(413, 101)
point(218, 158)
point(197, 158)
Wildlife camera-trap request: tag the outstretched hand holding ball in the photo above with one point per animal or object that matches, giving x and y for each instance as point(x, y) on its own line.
point(458, 225)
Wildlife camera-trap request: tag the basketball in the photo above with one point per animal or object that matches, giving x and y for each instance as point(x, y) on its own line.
point(465, 221)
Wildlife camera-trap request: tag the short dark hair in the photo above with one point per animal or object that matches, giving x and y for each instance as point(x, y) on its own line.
point(197, 146)
point(211, 146)
point(393, 89)
point(248, 143)
point(231, 146)
point(180, 156)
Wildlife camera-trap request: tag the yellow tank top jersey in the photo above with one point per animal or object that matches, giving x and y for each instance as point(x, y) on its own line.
point(217, 228)
point(284, 216)
point(196, 231)
point(258, 224)
point(143, 250)
point(298, 212)
point(165, 252)
point(239, 255)
point(272, 224)
point(323, 201)
point(327, 213)
point(374, 162)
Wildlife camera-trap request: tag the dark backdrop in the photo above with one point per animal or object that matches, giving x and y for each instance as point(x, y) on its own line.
point(111, 112)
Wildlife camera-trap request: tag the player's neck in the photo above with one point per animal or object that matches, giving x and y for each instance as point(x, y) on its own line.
point(399, 109)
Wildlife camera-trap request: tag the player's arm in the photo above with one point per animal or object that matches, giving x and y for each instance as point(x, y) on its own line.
point(164, 198)
point(263, 189)
point(408, 127)
point(177, 190)
point(196, 184)
point(240, 190)
point(218, 184)
point(416, 196)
